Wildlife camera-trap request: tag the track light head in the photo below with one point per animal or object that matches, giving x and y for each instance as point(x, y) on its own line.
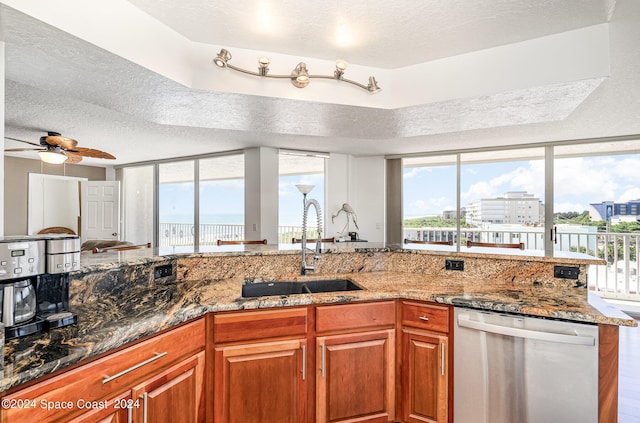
point(263, 65)
point(373, 85)
point(221, 59)
point(300, 75)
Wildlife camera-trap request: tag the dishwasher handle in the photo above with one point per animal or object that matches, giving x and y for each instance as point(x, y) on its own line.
point(466, 322)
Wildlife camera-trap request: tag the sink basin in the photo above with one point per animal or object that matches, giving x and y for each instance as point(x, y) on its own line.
point(264, 289)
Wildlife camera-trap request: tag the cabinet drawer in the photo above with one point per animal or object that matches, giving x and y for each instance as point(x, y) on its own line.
point(105, 377)
point(355, 316)
point(257, 324)
point(433, 317)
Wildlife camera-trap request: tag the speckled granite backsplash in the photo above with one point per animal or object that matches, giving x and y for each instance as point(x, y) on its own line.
point(132, 289)
point(288, 265)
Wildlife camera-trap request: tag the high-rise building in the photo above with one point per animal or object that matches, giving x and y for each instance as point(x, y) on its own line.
point(516, 207)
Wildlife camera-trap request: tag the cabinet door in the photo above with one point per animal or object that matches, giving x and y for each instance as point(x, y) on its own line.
point(424, 376)
point(261, 382)
point(174, 395)
point(355, 381)
point(117, 410)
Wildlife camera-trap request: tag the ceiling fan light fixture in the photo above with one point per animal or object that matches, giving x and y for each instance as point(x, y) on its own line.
point(52, 157)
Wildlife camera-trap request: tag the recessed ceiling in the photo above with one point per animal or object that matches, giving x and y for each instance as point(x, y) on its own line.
point(56, 81)
point(378, 33)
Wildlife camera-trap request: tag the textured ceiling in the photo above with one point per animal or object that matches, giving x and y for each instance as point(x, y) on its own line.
point(55, 81)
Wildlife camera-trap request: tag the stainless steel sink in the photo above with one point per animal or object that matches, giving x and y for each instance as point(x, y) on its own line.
point(264, 289)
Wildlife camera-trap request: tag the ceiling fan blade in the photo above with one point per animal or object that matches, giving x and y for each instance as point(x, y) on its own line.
point(72, 157)
point(11, 150)
point(90, 152)
point(26, 142)
point(64, 142)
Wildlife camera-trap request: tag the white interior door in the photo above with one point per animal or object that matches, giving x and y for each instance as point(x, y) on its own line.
point(100, 210)
point(53, 201)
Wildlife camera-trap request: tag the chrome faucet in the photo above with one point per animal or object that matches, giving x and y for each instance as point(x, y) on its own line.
point(305, 189)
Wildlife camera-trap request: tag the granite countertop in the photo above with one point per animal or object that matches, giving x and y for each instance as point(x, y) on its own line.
point(32, 357)
point(112, 259)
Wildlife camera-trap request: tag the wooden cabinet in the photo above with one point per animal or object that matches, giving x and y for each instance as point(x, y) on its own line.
point(260, 375)
point(355, 377)
point(261, 382)
point(116, 410)
point(174, 395)
point(425, 363)
point(102, 389)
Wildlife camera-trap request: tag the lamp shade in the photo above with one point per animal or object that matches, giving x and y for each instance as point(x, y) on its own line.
point(305, 189)
point(52, 157)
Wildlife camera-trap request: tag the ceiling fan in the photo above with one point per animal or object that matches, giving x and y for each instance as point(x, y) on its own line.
point(54, 148)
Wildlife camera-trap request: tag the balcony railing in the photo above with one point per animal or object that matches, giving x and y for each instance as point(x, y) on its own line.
point(617, 279)
point(181, 234)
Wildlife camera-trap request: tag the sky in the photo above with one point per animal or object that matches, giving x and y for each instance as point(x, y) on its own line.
point(223, 201)
point(578, 182)
point(428, 190)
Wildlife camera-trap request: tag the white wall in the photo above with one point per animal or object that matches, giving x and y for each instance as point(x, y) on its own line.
point(261, 194)
point(368, 196)
point(337, 192)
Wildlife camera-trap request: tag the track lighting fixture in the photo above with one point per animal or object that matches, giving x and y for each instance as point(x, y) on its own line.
point(299, 77)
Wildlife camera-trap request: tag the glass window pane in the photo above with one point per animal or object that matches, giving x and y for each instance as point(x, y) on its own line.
point(221, 199)
point(596, 211)
point(502, 197)
point(295, 170)
point(137, 183)
point(429, 198)
point(176, 204)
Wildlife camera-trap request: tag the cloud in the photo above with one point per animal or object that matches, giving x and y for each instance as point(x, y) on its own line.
point(628, 195)
point(412, 172)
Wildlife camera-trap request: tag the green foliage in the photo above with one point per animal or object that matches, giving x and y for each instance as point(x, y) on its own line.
point(433, 222)
point(626, 227)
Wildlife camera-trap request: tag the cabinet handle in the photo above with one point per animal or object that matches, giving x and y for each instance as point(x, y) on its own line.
point(442, 359)
point(130, 414)
point(304, 362)
point(145, 410)
point(425, 318)
point(322, 360)
point(157, 356)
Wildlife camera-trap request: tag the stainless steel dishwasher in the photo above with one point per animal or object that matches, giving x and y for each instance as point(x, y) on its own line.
point(512, 369)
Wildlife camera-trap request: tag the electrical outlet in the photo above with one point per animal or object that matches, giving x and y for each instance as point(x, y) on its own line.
point(162, 271)
point(454, 264)
point(566, 272)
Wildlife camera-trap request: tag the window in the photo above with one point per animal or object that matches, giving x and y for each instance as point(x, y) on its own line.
point(495, 190)
point(176, 204)
point(293, 170)
point(221, 198)
point(137, 203)
point(429, 198)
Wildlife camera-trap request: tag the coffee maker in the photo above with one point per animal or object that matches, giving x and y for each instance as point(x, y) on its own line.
point(21, 262)
point(34, 282)
point(62, 255)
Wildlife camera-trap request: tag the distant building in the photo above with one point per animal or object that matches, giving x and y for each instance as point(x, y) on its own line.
point(618, 212)
point(451, 214)
point(516, 207)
